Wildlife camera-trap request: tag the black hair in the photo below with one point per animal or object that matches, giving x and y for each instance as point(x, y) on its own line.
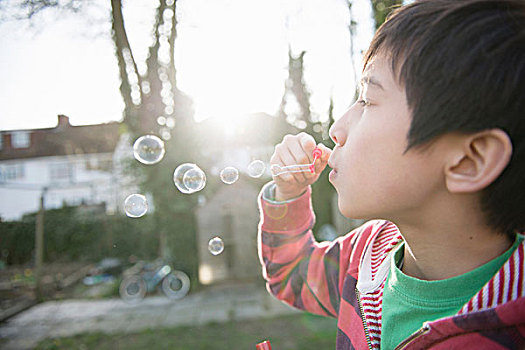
point(462, 64)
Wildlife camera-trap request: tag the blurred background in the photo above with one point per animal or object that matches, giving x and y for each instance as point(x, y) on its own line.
point(219, 83)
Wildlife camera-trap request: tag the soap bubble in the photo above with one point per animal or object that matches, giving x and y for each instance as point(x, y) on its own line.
point(256, 168)
point(161, 120)
point(189, 178)
point(148, 149)
point(229, 175)
point(135, 205)
point(194, 179)
point(216, 245)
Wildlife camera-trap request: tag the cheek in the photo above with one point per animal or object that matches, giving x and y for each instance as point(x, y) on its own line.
point(368, 148)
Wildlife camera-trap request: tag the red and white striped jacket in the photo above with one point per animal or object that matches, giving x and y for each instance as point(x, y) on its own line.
point(345, 279)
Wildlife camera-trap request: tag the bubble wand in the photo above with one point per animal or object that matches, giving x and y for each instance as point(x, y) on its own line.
point(265, 345)
point(297, 168)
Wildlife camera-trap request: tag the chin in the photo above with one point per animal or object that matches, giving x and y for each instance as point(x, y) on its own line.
point(355, 213)
point(348, 212)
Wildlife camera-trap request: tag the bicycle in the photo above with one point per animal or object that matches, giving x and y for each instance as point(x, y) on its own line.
point(143, 278)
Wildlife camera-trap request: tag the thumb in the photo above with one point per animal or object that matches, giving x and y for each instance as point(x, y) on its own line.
point(326, 152)
point(321, 163)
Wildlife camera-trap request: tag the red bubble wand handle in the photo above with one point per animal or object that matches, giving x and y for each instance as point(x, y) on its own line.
point(316, 153)
point(265, 345)
point(277, 170)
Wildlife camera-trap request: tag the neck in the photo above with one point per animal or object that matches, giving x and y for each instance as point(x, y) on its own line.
point(448, 239)
point(439, 255)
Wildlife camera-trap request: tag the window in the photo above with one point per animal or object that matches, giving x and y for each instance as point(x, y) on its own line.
point(61, 172)
point(20, 139)
point(11, 172)
point(1, 141)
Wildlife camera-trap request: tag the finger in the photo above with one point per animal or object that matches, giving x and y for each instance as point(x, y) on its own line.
point(326, 152)
point(282, 158)
point(276, 160)
point(320, 166)
point(280, 178)
point(301, 158)
point(322, 161)
point(308, 144)
point(287, 158)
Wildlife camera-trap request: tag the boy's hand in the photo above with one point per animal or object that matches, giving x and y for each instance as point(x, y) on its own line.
point(297, 149)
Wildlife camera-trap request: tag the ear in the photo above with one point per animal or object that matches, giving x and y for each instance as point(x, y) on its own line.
point(478, 161)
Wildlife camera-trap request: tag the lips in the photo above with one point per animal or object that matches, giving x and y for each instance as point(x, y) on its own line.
point(332, 176)
point(333, 173)
point(331, 162)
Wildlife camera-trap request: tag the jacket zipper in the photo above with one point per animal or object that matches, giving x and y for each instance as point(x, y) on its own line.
point(362, 314)
point(425, 329)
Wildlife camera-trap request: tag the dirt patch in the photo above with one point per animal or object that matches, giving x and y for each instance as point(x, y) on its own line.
point(17, 284)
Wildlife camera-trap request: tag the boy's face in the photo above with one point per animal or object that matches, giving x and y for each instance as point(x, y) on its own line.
point(372, 174)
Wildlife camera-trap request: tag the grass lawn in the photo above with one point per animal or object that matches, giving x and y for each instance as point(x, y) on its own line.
point(301, 331)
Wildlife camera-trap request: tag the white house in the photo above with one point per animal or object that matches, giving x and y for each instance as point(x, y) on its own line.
point(70, 164)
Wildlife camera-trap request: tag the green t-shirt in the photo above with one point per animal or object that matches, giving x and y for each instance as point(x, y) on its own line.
point(408, 302)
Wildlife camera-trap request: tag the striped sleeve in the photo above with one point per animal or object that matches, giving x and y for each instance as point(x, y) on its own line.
point(300, 271)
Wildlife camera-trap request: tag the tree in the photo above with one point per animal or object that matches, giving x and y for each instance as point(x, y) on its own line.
point(147, 97)
point(382, 9)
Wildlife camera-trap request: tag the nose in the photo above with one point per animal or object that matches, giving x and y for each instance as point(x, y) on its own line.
point(338, 131)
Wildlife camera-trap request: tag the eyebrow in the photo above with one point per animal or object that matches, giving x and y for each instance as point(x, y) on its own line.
point(371, 81)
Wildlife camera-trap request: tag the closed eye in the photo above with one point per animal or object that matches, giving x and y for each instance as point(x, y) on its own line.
point(363, 102)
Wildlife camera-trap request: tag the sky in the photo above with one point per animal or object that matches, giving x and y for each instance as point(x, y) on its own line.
point(231, 58)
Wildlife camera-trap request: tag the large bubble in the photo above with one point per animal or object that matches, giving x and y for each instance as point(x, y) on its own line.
point(148, 149)
point(194, 179)
point(189, 178)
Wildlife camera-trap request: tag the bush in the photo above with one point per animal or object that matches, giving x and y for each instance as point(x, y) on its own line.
point(69, 236)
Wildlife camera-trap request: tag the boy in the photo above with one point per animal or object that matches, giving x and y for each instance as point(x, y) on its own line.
point(434, 148)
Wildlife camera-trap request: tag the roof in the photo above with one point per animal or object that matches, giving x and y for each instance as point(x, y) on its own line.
point(63, 139)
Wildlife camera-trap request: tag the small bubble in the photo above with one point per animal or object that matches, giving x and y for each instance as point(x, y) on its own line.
point(135, 205)
point(229, 175)
point(216, 245)
point(161, 120)
point(166, 134)
point(148, 149)
point(256, 168)
point(189, 183)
